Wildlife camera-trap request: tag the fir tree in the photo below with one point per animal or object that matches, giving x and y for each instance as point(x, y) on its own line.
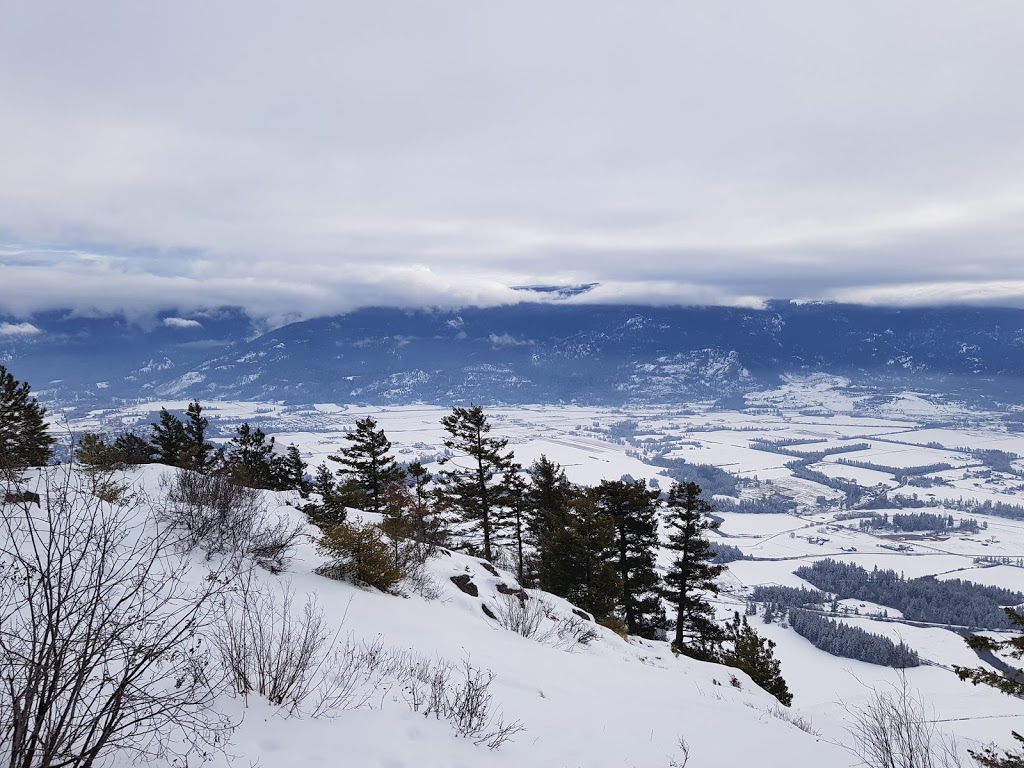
point(755, 655)
point(132, 449)
point(692, 574)
point(633, 509)
point(420, 477)
point(24, 441)
point(580, 558)
point(182, 444)
point(471, 484)
point(196, 454)
point(93, 452)
point(368, 462)
point(548, 497)
point(250, 459)
point(169, 439)
point(292, 472)
point(331, 509)
point(512, 518)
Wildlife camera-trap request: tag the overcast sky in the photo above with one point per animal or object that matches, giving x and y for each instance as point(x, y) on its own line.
point(305, 158)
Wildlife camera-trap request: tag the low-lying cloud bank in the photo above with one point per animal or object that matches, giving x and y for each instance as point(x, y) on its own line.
point(281, 291)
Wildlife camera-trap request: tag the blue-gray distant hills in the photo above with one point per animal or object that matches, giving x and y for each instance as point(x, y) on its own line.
point(525, 353)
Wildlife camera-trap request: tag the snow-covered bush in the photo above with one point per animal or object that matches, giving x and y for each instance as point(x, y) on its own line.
point(220, 517)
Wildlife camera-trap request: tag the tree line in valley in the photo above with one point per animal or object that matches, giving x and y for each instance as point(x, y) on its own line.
point(951, 601)
point(919, 521)
point(804, 610)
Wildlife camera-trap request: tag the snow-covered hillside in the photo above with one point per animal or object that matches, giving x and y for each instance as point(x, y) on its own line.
point(609, 702)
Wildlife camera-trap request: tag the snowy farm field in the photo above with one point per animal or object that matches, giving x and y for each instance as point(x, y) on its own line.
point(827, 469)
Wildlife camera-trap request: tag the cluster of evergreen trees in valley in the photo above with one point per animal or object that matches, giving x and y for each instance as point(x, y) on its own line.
point(594, 546)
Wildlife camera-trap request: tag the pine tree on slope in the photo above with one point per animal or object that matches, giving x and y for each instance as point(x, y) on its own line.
point(547, 507)
point(512, 519)
point(580, 558)
point(755, 655)
point(24, 441)
point(634, 512)
point(472, 481)
point(367, 460)
point(250, 458)
point(692, 574)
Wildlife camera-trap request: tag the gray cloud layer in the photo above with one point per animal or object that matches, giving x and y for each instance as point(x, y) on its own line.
point(307, 158)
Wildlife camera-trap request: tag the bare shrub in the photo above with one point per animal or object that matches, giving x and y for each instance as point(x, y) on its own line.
point(535, 619)
point(419, 581)
point(684, 752)
point(504, 559)
point(273, 542)
point(459, 695)
point(102, 634)
point(291, 656)
point(793, 718)
point(572, 631)
point(221, 517)
point(524, 617)
point(893, 730)
point(213, 512)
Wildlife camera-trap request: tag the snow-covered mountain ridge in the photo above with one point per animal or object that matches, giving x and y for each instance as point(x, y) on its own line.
point(525, 353)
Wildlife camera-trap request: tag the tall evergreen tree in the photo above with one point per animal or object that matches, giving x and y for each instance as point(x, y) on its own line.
point(292, 472)
point(169, 439)
point(634, 512)
point(250, 458)
point(368, 462)
point(132, 449)
point(512, 518)
point(1013, 686)
point(331, 509)
point(580, 557)
point(24, 441)
point(692, 574)
point(547, 507)
point(197, 452)
point(755, 655)
point(472, 481)
point(182, 443)
point(94, 452)
point(420, 478)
